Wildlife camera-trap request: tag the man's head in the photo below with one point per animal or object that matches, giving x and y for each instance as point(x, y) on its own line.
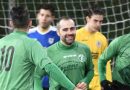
point(94, 18)
point(19, 17)
point(66, 30)
point(45, 15)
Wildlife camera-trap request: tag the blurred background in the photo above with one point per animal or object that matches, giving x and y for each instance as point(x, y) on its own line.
point(116, 20)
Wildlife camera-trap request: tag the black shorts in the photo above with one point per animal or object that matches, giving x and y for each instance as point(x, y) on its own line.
point(119, 86)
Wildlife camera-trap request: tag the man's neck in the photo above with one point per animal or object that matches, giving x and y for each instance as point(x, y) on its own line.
point(21, 29)
point(89, 29)
point(43, 29)
point(65, 43)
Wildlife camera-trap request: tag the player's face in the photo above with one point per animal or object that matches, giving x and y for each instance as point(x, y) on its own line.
point(45, 18)
point(94, 22)
point(67, 31)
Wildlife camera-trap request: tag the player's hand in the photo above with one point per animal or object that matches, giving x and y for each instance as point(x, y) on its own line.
point(82, 85)
point(106, 85)
point(76, 88)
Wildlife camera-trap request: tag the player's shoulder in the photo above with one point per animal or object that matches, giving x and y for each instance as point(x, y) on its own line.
point(29, 42)
point(32, 30)
point(82, 45)
point(26, 39)
point(3, 39)
point(80, 30)
point(122, 38)
point(53, 28)
point(125, 36)
point(53, 47)
point(100, 35)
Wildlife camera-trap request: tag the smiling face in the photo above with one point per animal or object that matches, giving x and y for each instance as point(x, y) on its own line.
point(94, 22)
point(45, 18)
point(67, 31)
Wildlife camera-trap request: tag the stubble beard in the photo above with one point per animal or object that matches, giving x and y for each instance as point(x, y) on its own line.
point(67, 41)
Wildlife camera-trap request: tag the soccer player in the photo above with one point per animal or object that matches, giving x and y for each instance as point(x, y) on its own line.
point(19, 55)
point(119, 49)
point(73, 58)
point(90, 35)
point(44, 32)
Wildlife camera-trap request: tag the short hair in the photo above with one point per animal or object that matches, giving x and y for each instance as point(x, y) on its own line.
point(95, 10)
point(62, 18)
point(19, 16)
point(49, 7)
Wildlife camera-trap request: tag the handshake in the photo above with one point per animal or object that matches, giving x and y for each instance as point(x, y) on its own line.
point(81, 86)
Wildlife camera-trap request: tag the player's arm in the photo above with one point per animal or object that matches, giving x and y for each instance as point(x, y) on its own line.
point(108, 66)
point(89, 67)
point(108, 53)
point(39, 73)
point(58, 76)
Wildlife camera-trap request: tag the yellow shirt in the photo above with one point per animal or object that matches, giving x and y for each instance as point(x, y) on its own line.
point(97, 42)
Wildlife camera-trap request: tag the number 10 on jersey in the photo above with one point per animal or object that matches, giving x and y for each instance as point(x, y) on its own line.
point(6, 58)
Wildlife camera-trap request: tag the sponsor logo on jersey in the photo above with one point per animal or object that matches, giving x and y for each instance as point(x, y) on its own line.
point(69, 56)
point(98, 44)
point(51, 40)
point(81, 57)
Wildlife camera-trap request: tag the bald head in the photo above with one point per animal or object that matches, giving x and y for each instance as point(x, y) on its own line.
point(63, 21)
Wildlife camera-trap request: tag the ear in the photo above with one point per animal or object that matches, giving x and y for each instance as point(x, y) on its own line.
point(58, 32)
point(37, 16)
point(87, 19)
point(11, 23)
point(30, 23)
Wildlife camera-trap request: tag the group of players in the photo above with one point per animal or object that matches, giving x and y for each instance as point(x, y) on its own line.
point(65, 58)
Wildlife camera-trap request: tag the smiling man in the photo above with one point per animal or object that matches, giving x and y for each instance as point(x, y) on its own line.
point(73, 58)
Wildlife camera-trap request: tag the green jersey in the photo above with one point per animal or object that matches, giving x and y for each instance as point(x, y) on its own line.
point(18, 57)
point(17, 50)
point(75, 61)
point(120, 50)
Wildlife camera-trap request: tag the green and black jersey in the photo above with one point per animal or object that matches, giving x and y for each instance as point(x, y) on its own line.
point(119, 49)
point(75, 61)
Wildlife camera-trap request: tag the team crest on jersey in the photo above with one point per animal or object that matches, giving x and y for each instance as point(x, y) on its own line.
point(51, 40)
point(81, 57)
point(98, 44)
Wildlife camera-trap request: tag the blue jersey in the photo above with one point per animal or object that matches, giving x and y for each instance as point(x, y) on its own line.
point(47, 38)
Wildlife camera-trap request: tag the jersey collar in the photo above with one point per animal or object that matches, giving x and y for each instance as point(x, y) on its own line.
point(62, 46)
point(20, 32)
